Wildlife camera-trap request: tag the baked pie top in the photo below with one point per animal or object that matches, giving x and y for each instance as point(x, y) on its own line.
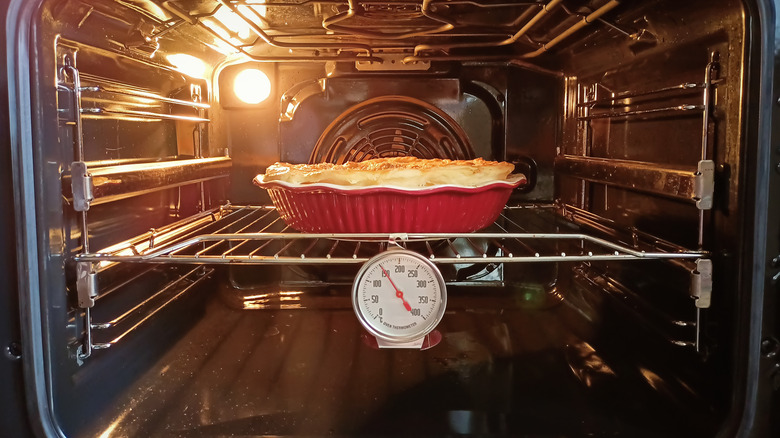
point(407, 172)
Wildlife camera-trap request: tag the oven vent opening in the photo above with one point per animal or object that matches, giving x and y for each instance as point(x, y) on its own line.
point(392, 126)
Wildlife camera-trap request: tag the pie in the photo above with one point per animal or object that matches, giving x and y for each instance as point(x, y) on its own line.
point(407, 172)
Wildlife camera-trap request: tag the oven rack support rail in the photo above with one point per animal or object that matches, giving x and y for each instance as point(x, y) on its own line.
point(83, 96)
point(694, 182)
point(87, 96)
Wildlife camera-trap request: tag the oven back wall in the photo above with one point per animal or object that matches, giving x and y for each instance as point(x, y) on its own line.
point(505, 113)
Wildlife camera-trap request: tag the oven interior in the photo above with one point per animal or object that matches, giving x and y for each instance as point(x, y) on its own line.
point(170, 309)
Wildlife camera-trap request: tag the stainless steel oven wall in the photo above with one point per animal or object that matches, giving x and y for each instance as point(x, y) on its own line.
point(130, 116)
point(731, 47)
point(640, 99)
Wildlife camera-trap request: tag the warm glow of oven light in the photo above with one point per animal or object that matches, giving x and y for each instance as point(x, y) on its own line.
point(252, 86)
point(188, 64)
point(233, 22)
point(253, 11)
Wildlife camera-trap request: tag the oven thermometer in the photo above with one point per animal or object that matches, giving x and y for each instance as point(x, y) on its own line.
point(399, 296)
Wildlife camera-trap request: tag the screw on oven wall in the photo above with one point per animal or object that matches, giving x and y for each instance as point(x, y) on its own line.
point(776, 377)
point(769, 348)
point(13, 351)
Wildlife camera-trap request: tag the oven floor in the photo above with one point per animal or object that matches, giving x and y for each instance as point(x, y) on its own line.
point(526, 370)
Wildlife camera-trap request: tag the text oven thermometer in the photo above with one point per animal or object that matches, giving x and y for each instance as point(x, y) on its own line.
point(399, 296)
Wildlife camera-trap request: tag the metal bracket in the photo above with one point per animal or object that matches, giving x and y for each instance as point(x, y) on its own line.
point(86, 284)
point(701, 283)
point(195, 93)
point(391, 61)
point(704, 184)
point(81, 186)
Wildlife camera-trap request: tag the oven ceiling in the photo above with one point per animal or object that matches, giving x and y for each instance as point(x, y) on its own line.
point(402, 31)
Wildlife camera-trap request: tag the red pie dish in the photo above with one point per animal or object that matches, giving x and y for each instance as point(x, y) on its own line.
point(330, 208)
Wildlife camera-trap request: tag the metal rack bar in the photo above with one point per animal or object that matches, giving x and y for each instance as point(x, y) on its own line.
point(355, 259)
point(480, 250)
point(644, 112)
point(200, 247)
point(124, 283)
point(709, 74)
point(110, 183)
point(583, 217)
point(145, 95)
point(545, 9)
point(91, 113)
point(611, 101)
point(271, 41)
point(263, 216)
point(652, 317)
point(171, 233)
point(77, 45)
point(119, 319)
point(309, 248)
point(635, 175)
point(383, 2)
point(252, 254)
point(201, 277)
point(122, 161)
point(197, 20)
point(595, 15)
point(506, 251)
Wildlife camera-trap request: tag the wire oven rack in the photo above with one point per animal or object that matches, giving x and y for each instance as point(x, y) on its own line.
point(258, 235)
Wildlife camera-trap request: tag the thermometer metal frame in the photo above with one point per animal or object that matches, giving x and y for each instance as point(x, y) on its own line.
point(434, 320)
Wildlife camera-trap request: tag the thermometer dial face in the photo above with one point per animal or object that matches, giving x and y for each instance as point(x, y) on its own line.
point(399, 296)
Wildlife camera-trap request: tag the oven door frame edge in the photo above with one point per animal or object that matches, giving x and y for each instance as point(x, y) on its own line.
point(752, 394)
point(37, 381)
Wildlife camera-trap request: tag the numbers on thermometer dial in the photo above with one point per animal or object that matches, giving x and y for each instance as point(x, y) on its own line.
point(399, 296)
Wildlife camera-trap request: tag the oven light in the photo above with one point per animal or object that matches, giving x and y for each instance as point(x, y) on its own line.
point(252, 86)
point(188, 65)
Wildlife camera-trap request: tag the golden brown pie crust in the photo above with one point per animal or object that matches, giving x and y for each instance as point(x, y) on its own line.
point(398, 172)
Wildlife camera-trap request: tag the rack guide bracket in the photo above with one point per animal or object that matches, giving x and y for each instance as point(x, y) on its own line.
point(81, 186)
point(701, 283)
point(704, 184)
point(86, 284)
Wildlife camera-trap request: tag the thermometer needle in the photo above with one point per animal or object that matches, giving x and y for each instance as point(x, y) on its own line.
point(398, 292)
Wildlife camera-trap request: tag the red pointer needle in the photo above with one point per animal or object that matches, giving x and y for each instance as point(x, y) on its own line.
point(398, 293)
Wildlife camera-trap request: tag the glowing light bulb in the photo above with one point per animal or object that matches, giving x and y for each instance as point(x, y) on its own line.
point(252, 86)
